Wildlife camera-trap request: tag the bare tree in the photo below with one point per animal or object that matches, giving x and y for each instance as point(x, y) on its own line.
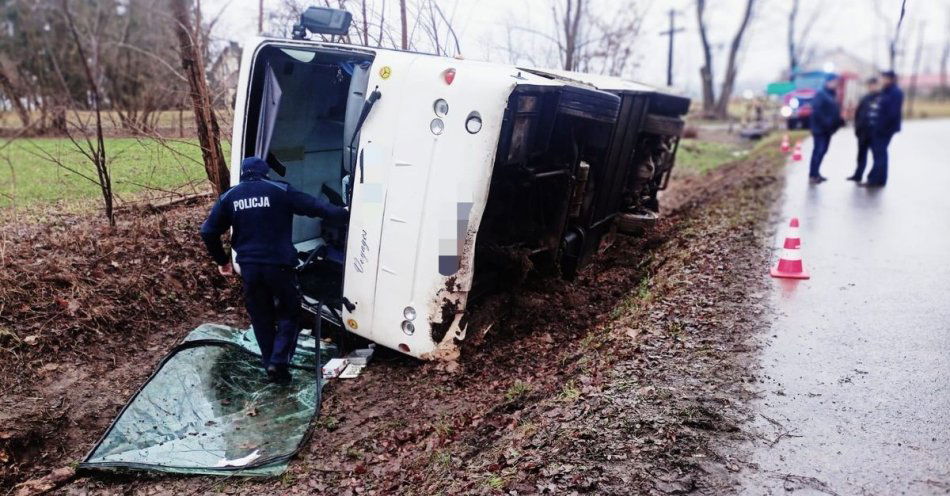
point(139, 73)
point(260, 16)
point(725, 93)
point(798, 51)
point(438, 28)
point(912, 88)
point(404, 24)
point(11, 88)
point(92, 149)
point(712, 107)
point(583, 35)
point(706, 70)
point(365, 16)
point(192, 61)
point(944, 59)
point(893, 40)
point(612, 51)
point(134, 64)
point(568, 16)
point(96, 151)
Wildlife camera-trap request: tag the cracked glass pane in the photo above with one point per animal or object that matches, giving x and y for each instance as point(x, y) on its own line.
point(210, 409)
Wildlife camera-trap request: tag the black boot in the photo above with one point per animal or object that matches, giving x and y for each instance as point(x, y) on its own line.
point(279, 374)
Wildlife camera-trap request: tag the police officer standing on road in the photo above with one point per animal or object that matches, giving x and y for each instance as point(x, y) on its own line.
point(825, 120)
point(884, 125)
point(260, 214)
point(863, 117)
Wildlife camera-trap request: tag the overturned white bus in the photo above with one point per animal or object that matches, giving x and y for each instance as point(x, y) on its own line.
point(449, 167)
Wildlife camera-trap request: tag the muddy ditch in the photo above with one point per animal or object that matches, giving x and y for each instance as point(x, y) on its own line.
point(622, 381)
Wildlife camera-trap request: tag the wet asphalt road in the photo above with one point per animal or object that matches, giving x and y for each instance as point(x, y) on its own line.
point(856, 368)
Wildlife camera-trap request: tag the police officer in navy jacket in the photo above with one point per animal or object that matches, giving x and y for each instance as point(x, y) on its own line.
point(864, 116)
point(825, 121)
point(260, 214)
point(885, 124)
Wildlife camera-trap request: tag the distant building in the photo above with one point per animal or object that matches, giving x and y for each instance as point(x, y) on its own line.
point(223, 75)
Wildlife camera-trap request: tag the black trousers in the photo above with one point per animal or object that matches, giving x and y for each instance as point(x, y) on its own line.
point(820, 143)
point(879, 144)
point(272, 301)
point(864, 146)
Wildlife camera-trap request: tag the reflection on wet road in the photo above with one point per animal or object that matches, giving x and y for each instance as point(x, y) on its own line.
point(856, 390)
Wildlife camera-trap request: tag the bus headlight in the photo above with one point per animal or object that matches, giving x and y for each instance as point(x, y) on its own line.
point(437, 126)
point(408, 328)
point(473, 123)
point(440, 107)
point(409, 313)
point(786, 111)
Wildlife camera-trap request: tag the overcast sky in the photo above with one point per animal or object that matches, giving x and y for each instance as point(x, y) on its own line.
point(849, 24)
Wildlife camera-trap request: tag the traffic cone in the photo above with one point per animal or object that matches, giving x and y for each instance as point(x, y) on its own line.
point(792, 239)
point(797, 154)
point(784, 147)
point(790, 263)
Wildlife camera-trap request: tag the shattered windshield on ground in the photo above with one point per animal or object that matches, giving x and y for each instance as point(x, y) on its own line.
point(210, 409)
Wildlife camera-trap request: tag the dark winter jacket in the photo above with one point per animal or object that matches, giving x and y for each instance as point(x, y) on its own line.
point(865, 113)
point(888, 119)
point(825, 113)
point(260, 213)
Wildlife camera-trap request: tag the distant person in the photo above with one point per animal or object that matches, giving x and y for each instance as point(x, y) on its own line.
point(865, 114)
point(825, 120)
point(884, 125)
point(260, 213)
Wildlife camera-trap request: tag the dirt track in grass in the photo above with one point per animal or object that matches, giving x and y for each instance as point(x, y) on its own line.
point(624, 381)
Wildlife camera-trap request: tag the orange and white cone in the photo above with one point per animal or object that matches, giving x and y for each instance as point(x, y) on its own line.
point(790, 263)
point(793, 240)
point(785, 146)
point(797, 154)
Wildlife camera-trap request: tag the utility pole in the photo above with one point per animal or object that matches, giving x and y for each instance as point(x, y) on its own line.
point(669, 56)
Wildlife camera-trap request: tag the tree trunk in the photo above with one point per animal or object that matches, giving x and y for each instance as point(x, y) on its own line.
point(571, 23)
point(944, 58)
point(912, 90)
point(892, 48)
point(365, 24)
point(705, 72)
point(725, 93)
point(944, 89)
point(192, 61)
point(57, 116)
point(792, 54)
point(8, 88)
point(404, 23)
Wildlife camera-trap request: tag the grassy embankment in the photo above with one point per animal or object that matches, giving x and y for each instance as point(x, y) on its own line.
point(701, 156)
point(29, 174)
